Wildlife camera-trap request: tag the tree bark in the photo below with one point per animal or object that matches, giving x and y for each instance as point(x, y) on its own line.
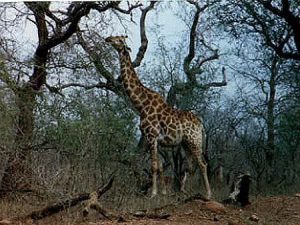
point(270, 151)
point(17, 175)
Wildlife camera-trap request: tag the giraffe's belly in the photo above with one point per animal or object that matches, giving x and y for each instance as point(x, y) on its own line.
point(170, 138)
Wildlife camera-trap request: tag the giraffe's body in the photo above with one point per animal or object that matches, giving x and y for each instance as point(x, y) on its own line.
point(160, 123)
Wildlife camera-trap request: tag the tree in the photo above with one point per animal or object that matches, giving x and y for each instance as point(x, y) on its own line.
point(288, 126)
point(285, 10)
point(54, 27)
point(199, 54)
point(262, 98)
point(275, 22)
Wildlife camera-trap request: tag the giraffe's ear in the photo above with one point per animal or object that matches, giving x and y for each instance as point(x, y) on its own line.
point(128, 49)
point(123, 37)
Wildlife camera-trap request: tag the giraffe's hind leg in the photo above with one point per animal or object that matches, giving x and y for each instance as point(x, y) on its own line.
point(154, 164)
point(196, 152)
point(157, 169)
point(162, 178)
point(203, 167)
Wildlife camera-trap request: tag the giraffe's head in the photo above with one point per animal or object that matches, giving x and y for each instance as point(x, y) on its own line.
point(118, 42)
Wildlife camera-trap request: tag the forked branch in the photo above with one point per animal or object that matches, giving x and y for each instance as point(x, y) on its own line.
point(216, 84)
point(144, 41)
point(111, 83)
point(57, 207)
point(192, 69)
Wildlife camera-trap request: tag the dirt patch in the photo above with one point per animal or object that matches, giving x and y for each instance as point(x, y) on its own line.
point(276, 210)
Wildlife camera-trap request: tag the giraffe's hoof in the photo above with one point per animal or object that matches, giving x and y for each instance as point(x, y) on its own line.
point(183, 191)
point(153, 194)
point(164, 191)
point(208, 197)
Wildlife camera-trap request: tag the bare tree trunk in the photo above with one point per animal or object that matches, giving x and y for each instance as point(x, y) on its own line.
point(17, 175)
point(270, 151)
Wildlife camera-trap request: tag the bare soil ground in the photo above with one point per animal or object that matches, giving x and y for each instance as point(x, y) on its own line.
point(276, 210)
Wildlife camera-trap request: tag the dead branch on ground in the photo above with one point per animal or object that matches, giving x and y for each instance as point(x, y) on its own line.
point(60, 206)
point(93, 203)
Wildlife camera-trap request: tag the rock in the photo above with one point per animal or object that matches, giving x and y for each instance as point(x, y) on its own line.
point(190, 212)
point(5, 222)
point(140, 213)
point(217, 218)
point(254, 218)
point(215, 206)
point(297, 195)
point(233, 222)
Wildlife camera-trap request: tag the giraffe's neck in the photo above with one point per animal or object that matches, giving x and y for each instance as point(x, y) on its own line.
point(133, 86)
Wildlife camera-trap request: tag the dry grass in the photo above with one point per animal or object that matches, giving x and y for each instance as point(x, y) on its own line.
point(277, 210)
point(123, 198)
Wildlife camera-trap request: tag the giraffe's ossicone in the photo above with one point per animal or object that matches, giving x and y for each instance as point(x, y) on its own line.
point(159, 122)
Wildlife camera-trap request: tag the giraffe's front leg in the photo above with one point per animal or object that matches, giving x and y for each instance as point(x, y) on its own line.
point(197, 153)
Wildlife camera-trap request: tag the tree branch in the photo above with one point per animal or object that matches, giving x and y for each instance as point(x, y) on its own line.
point(292, 20)
point(214, 56)
point(40, 9)
point(100, 85)
point(189, 70)
point(87, 87)
point(111, 83)
point(55, 208)
point(191, 54)
point(71, 29)
point(74, 13)
point(130, 7)
point(143, 36)
point(4, 77)
point(216, 84)
point(53, 89)
point(192, 70)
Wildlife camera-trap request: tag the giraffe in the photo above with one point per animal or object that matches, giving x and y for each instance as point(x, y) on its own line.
point(160, 123)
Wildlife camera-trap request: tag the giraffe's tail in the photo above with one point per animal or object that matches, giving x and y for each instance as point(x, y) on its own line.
point(204, 143)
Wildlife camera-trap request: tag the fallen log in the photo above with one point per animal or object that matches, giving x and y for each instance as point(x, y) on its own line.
point(60, 206)
point(195, 197)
